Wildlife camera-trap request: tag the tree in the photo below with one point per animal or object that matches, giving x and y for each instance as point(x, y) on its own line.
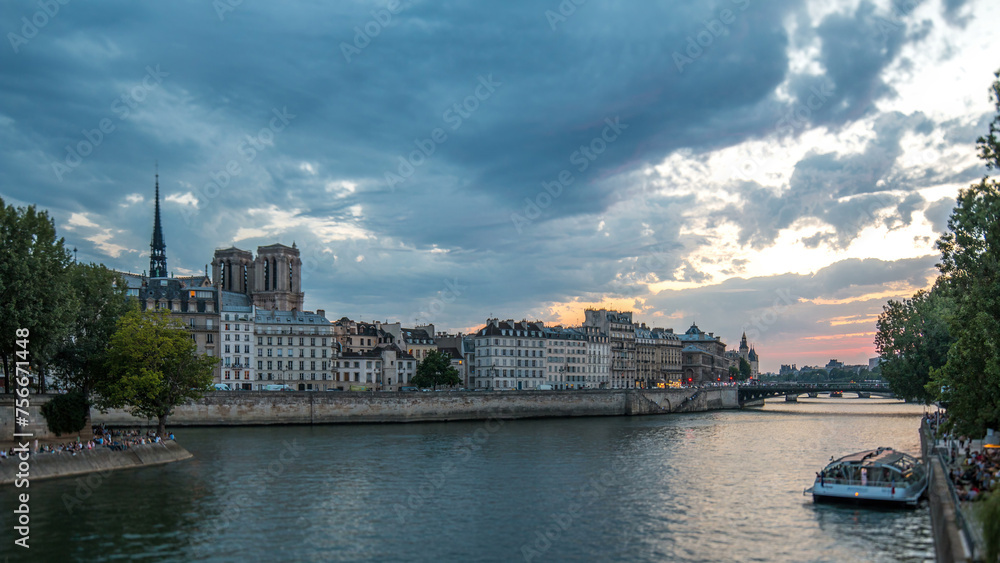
point(33, 288)
point(912, 338)
point(153, 366)
point(734, 373)
point(434, 370)
point(67, 413)
point(970, 266)
point(103, 298)
point(745, 370)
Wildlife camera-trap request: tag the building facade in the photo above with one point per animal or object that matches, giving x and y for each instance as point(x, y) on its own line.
point(510, 355)
point(703, 357)
point(237, 341)
point(620, 329)
point(294, 348)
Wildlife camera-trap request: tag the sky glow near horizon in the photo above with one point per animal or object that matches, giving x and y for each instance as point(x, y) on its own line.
point(707, 202)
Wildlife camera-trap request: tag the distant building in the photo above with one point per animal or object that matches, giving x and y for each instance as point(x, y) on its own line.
point(294, 348)
point(192, 299)
point(620, 329)
point(510, 355)
point(273, 280)
point(236, 338)
point(566, 358)
point(787, 369)
point(703, 357)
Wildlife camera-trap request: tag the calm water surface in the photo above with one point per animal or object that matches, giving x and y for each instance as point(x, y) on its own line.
point(720, 486)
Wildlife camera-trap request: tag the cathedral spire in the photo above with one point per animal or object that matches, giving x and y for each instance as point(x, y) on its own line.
point(157, 248)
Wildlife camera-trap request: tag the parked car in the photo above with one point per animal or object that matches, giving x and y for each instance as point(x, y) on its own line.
point(221, 387)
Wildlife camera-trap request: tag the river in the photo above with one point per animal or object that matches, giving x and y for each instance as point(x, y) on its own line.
point(716, 486)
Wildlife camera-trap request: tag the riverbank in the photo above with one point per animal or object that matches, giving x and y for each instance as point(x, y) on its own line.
point(239, 408)
point(954, 537)
point(64, 464)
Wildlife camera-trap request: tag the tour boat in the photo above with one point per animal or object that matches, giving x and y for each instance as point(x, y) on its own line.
point(878, 476)
point(836, 394)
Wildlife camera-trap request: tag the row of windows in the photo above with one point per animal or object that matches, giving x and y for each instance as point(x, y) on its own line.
point(511, 342)
point(507, 352)
point(512, 373)
point(289, 364)
point(302, 377)
point(291, 341)
point(312, 353)
point(237, 326)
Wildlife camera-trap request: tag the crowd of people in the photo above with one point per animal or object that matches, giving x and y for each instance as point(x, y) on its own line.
point(104, 437)
point(973, 469)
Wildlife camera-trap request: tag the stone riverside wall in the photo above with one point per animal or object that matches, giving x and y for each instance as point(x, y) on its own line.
point(49, 465)
point(36, 422)
point(234, 408)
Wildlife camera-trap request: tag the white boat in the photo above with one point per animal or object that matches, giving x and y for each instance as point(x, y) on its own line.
point(877, 476)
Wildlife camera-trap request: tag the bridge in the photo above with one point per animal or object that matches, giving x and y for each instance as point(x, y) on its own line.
point(792, 390)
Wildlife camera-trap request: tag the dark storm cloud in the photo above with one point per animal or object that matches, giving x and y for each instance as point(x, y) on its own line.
point(519, 97)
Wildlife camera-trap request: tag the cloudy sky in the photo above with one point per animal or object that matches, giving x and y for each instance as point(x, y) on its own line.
point(778, 167)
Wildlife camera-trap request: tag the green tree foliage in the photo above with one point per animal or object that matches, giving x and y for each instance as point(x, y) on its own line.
point(153, 366)
point(67, 414)
point(745, 370)
point(434, 370)
point(970, 267)
point(103, 299)
point(33, 287)
point(988, 512)
point(912, 338)
point(734, 372)
point(989, 145)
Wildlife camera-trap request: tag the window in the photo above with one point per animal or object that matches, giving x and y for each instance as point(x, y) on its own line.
point(269, 352)
point(260, 364)
point(302, 341)
point(268, 340)
point(260, 341)
point(279, 341)
point(209, 338)
point(312, 341)
point(269, 364)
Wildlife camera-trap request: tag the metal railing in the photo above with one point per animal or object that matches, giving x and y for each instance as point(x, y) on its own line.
point(970, 528)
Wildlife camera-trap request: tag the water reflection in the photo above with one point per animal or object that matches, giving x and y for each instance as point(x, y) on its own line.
point(702, 487)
